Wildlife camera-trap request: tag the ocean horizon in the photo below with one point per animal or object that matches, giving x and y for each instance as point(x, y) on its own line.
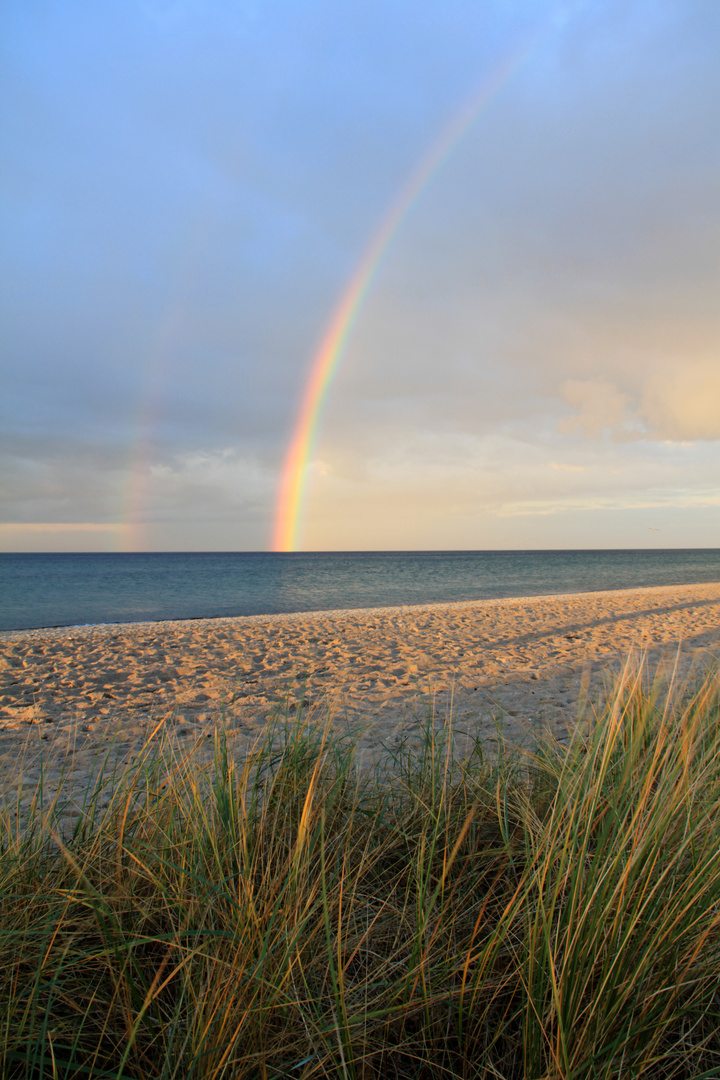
point(39, 590)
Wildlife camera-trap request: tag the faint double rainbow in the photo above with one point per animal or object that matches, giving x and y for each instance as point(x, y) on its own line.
point(325, 364)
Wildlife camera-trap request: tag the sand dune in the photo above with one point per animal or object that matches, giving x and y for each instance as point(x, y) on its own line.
point(526, 661)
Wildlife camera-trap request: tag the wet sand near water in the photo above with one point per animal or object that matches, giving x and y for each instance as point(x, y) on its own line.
point(527, 662)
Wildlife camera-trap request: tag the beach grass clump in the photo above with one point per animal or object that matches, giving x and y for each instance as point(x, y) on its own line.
point(553, 914)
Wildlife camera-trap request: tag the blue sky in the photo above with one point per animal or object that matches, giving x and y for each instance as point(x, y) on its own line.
point(188, 187)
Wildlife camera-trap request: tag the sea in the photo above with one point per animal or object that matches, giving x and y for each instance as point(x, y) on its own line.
point(48, 590)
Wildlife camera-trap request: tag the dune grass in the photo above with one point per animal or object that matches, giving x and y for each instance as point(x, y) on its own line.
point(545, 916)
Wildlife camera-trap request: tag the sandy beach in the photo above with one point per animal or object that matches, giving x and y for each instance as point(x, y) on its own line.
point(522, 662)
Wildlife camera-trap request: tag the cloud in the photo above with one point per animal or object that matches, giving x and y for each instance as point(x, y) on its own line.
point(147, 497)
point(683, 402)
point(190, 186)
point(59, 536)
point(224, 480)
point(679, 402)
point(461, 491)
point(602, 409)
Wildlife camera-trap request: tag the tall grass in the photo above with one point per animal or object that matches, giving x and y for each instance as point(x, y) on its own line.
point(550, 916)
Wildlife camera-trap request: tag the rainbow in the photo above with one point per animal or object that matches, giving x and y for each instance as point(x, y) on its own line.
point(327, 359)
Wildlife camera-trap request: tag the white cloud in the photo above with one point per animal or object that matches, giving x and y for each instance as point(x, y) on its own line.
point(682, 401)
point(462, 491)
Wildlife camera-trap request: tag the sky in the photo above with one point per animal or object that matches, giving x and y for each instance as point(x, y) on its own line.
point(188, 188)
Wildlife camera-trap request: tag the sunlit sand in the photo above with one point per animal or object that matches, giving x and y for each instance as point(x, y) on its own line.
point(523, 664)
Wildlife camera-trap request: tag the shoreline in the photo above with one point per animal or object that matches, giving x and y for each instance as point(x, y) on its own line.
point(294, 616)
point(524, 662)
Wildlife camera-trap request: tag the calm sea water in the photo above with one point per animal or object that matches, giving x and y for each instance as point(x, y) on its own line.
point(69, 590)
